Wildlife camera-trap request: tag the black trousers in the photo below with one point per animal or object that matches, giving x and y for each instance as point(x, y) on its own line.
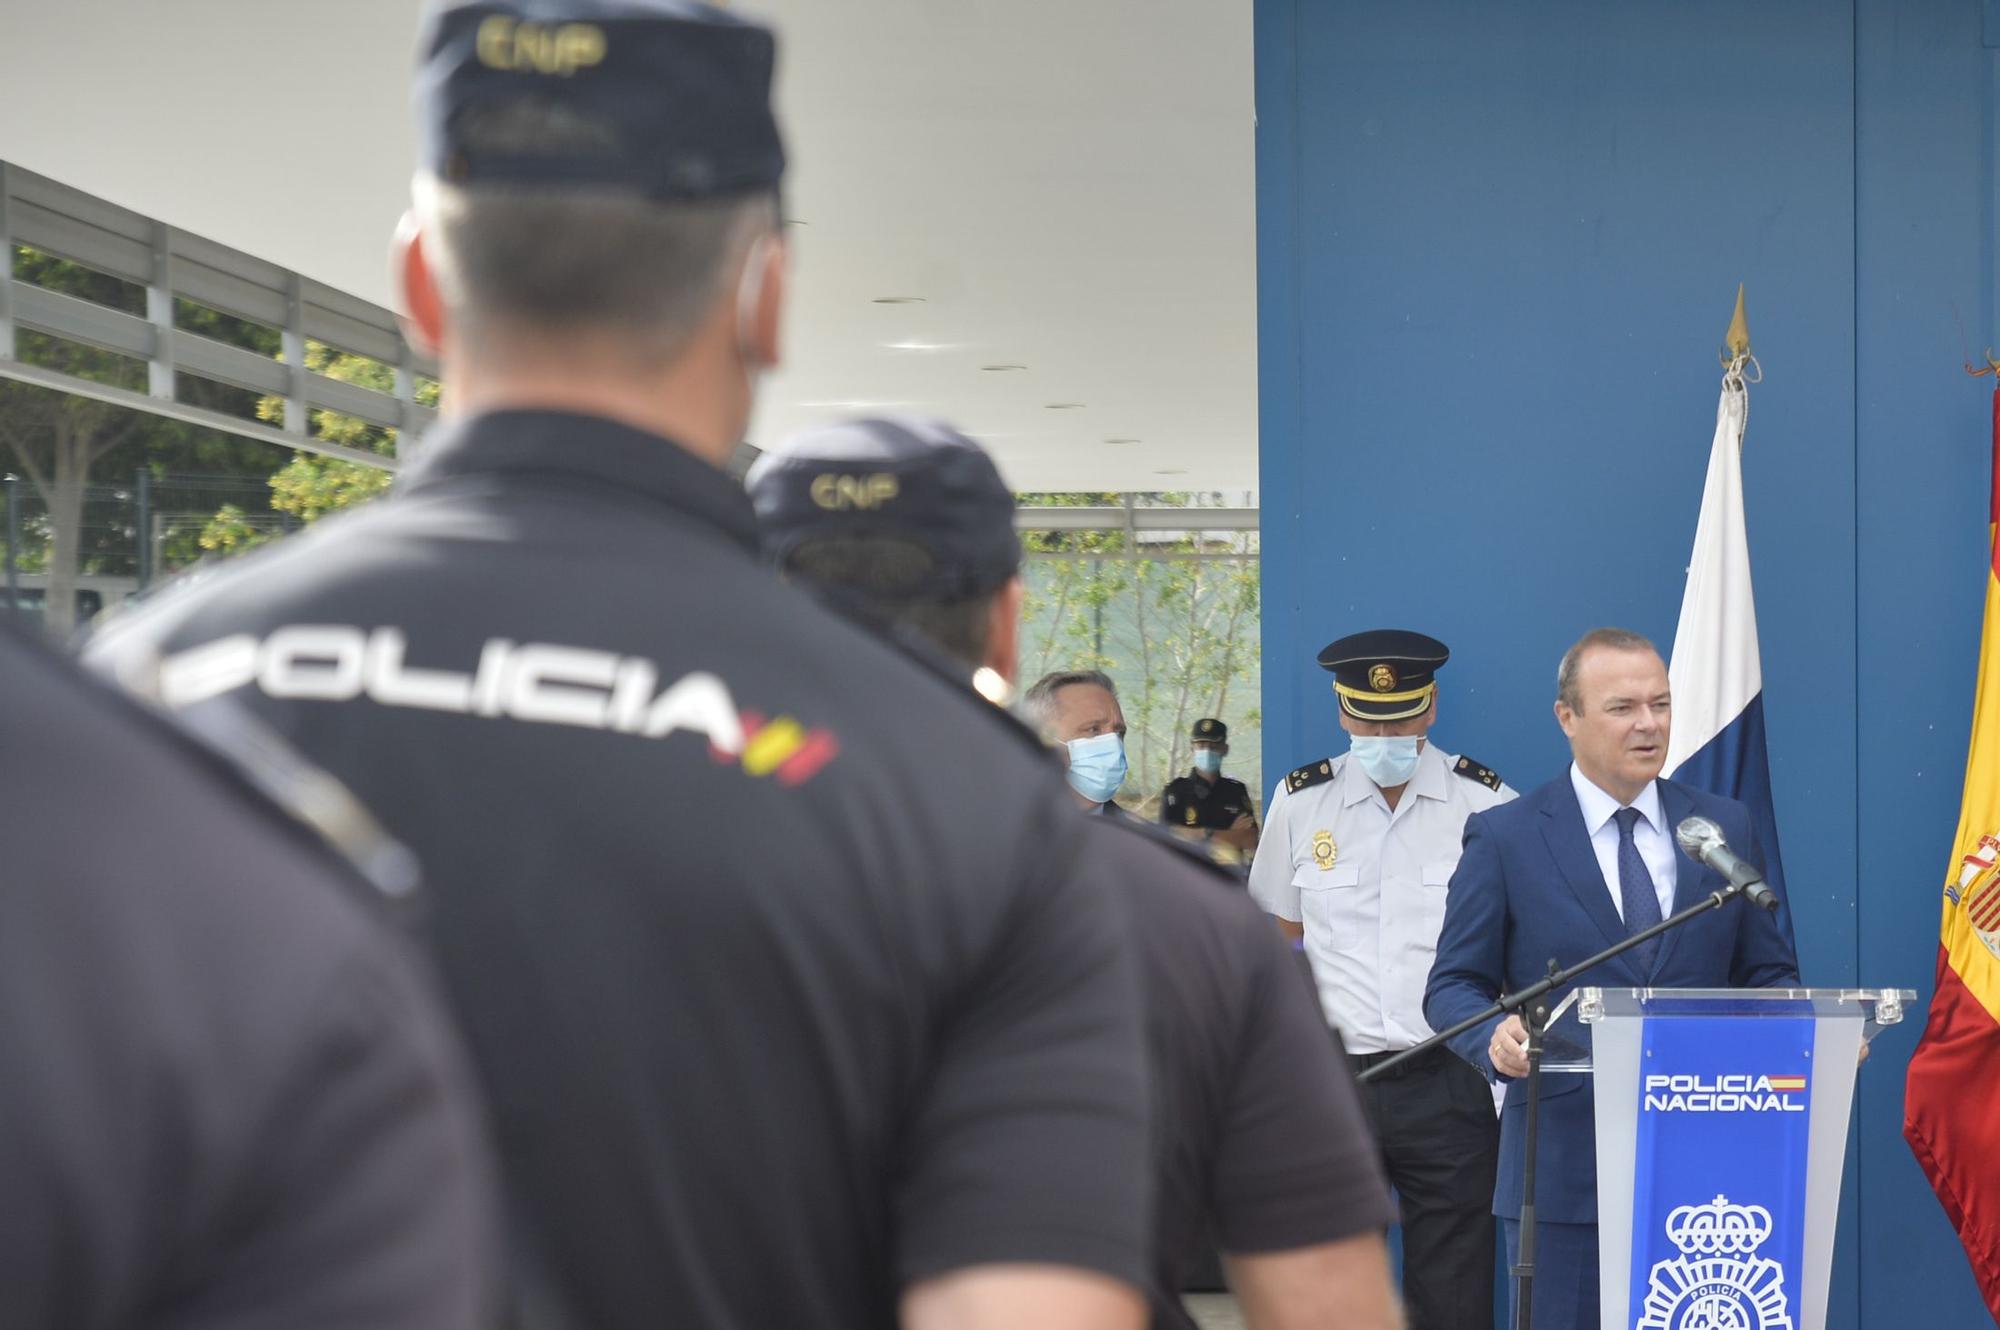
point(1440, 1141)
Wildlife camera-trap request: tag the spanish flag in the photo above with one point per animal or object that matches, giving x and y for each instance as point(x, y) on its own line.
point(1951, 1102)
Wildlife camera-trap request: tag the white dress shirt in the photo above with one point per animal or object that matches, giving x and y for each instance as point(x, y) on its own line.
point(1649, 833)
point(1369, 885)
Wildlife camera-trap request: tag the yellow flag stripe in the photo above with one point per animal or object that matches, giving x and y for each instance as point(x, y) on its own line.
point(1979, 815)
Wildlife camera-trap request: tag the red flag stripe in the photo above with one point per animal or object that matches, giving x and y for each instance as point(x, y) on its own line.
point(1993, 508)
point(1954, 1075)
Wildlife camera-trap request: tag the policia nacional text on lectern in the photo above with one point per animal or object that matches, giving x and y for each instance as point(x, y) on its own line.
point(1721, 1135)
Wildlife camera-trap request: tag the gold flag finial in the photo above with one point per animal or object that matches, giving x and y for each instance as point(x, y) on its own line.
point(1738, 336)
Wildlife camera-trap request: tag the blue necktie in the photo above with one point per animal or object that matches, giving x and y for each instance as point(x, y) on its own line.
point(1635, 890)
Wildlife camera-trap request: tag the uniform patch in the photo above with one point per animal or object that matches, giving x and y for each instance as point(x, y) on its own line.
point(1313, 773)
point(1324, 850)
point(1192, 814)
point(1471, 770)
point(537, 682)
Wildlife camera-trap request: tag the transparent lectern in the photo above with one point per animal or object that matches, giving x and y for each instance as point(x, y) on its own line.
point(1721, 1135)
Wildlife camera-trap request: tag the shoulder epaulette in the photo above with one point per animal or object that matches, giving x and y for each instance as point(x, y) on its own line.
point(1312, 773)
point(1471, 770)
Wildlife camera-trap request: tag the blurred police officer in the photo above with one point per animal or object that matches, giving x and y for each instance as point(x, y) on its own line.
point(231, 1097)
point(1259, 1136)
point(1205, 802)
point(1357, 852)
point(788, 1015)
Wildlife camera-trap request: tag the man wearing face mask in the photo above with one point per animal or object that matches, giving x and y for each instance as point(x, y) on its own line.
point(1078, 711)
point(1207, 803)
point(1356, 856)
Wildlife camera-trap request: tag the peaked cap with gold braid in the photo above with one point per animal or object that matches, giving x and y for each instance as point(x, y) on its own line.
point(1386, 673)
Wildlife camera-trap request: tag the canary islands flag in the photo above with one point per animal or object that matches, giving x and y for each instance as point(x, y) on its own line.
point(1717, 675)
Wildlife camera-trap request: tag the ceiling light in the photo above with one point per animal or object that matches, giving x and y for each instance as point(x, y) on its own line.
point(1064, 406)
point(1001, 369)
point(913, 345)
point(899, 300)
point(1119, 443)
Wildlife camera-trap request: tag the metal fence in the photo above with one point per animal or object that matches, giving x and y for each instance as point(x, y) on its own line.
point(132, 534)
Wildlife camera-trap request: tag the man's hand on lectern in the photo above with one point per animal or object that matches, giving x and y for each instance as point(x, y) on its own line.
point(1509, 1049)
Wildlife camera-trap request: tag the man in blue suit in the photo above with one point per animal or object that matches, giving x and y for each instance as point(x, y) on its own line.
point(1564, 872)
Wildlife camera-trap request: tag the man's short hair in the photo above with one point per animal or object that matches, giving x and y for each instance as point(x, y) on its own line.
point(880, 574)
point(1617, 639)
point(1038, 704)
point(517, 261)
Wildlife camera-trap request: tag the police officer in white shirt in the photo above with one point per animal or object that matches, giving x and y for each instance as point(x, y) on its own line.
point(1356, 856)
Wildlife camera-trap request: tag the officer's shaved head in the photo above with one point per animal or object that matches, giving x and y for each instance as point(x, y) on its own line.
point(519, 264)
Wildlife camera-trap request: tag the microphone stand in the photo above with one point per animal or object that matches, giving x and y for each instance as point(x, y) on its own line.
point(1532, 1004)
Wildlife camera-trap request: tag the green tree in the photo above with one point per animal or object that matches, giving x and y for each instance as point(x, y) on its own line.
point(311, 485)
point(57, 439)
point(81, 458)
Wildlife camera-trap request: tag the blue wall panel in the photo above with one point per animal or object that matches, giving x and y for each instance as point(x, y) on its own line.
point(1497, 249)
point(1924, 262)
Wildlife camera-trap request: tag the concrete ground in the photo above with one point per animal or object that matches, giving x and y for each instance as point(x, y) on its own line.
point(1214, 1311)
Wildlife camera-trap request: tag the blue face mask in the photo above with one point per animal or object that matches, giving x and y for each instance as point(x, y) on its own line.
point(1389, 759)
point(1097, 766)
point(1208, 760)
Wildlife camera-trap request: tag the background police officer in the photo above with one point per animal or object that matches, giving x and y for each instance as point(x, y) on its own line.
point(1241, 1071)
point(1207, 802)
point(787, 1016)
point(232, 1096)
point(1357, 854)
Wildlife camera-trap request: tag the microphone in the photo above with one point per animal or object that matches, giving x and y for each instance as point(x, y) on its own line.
point(1703, 841)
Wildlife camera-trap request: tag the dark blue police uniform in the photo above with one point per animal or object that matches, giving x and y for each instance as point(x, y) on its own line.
point(728, 940)
point(1198, 802)
point(232, 1096)
point(1259, 1142)
point(780, 1006)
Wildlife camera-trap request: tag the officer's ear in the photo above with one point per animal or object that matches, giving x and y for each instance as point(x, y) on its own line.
point(761, 299)
point(422, 314)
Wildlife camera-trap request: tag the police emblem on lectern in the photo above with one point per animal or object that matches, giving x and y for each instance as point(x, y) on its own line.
point(1719, 1282)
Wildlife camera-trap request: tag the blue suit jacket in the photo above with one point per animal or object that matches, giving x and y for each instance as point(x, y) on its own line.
point(1528, 889)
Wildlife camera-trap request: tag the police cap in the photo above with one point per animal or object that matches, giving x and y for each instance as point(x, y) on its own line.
point(1210, 730)
point(905, 478)
point(676, 96)
point(1386, 673)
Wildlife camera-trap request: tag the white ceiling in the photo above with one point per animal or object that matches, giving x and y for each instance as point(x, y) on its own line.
point(1067, 187)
